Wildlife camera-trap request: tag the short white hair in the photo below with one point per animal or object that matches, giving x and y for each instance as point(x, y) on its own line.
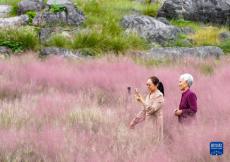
point(188, 78)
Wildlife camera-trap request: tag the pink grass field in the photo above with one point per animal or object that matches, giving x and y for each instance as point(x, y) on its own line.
point(65, 110)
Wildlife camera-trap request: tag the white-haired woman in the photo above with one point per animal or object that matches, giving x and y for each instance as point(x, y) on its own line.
point(188, 104)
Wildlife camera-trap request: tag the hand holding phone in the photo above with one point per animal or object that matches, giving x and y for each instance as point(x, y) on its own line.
point(137, 92)
point(138, 96)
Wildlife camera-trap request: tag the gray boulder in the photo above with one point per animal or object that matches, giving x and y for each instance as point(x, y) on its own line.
point(5, 10)
point(150, 28)
point(30, 5)
point(14, 21)
point(71, 15)
point(74, 16)
point(163, 20)
point(44, 34)
point(4, 52)
point(224, 36)
point(215, 11)
point(47, 33)
point(59, 2)
point(180, 52)
point(187, 30)
point(60, 52)
point(49, 18)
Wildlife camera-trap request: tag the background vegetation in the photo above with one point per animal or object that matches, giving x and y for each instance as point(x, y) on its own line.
point(101, 33)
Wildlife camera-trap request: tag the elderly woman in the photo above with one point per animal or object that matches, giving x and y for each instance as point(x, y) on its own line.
point(151, 111)
point(188, 104)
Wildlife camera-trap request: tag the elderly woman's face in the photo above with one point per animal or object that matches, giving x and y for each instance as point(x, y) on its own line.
point(151, 87)
point(183, 84)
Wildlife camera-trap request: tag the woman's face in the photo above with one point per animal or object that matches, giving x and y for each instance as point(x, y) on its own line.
point(151, 87)
point(183, 85)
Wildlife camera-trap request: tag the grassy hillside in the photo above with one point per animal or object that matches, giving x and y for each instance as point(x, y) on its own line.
point(101, 32)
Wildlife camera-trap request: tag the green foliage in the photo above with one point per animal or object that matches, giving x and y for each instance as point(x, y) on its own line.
point(59, 41)
point(95, 43)
point(225, 45)
point(202, 37)
point(98, 42)
point(31, 15)
point(103, 42)
point(206, 36)
point(13, 3)
point(151, 9)
point(9, 2)
point(19, 39)
point(185, 23)
point(103, 30)
point(181, 41)
point(57, 8)
point(13, 45)
point(14, 10)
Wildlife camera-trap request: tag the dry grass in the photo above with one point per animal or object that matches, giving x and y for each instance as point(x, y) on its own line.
point(207, 36)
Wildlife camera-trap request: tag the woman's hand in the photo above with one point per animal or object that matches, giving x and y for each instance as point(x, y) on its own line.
point(178, 112)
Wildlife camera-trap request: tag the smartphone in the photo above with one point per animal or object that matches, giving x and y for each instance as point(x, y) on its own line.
point(129, 90)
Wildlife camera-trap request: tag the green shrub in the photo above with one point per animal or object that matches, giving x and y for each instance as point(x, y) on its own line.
point(104, 42)
point(18, 39)
point(57, 8)
point(31, 15)
point(13, 3)
point(14, 10)
point(89, 39)
point(185, 23)
point(225, 45)
point(104, 33)
point(13, 45)
point(151, 9)
point(207, 36)
point(181, 41)
point(59, 41)
point(117, 44)
point(9, 2)
point(137, 43)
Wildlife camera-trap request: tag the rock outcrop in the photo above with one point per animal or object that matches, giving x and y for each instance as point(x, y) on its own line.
point(224, 36)
point(214, 11)
point(68, 15)
point(150, 28)
point(30, 5)
point(180, 52)
point(5, 52)
point(59, 2)
point(5, 10)
point(14, 21)
point(60, 52)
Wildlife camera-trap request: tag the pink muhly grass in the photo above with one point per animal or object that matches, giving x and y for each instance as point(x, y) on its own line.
point(79, 111)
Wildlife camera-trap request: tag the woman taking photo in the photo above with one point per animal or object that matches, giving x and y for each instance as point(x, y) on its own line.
point(151, 111)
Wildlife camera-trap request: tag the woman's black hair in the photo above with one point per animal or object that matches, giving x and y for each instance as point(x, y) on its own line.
point(159, 84)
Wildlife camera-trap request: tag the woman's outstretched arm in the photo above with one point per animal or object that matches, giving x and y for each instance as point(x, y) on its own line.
point(154, 106)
